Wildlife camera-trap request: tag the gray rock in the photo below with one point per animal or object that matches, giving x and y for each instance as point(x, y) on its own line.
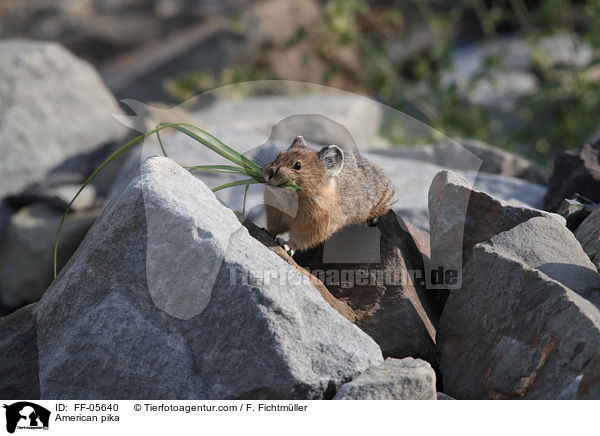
point(588, 387)
point(461, 217)
point(575, 210)
point(547, 245)
point(19, 365)
point(6, 211)
point(54, 107)
point(57, 195)
point(394, 379)
point(570, 392)
point(412, 180)
point(469, 154)
point(513, 332)
point(525, 322)
point(498, 161)
point(152, 305)
point(382, 282)
point(585, 386)
point(509, 189)
point(26, 252)
point(64, 194)
point(575, 172)
point(588, 234)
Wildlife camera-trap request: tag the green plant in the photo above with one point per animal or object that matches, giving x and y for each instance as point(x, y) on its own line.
point(242, 166)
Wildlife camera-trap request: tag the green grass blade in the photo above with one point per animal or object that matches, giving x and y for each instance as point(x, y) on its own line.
point(236, 183)
point(227, 169)
point(225, 147)
point(215, 167)
point(231, 173)
point(162, 147)
point(252, 168)
point(245, 195)
point(255, 173)
point(235, 158)
point(251, 165)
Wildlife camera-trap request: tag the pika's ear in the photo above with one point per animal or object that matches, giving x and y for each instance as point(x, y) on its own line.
point(298, 142)
point(333, 158)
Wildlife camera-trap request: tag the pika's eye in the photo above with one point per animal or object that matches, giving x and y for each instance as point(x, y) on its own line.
point(297, 166)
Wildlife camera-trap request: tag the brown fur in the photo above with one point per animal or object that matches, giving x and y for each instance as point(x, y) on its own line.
point(360, 191)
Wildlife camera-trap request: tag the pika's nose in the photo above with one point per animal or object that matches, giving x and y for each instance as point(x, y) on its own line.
point(270, 173)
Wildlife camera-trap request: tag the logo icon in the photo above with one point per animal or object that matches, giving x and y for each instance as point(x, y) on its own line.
point(26, 415)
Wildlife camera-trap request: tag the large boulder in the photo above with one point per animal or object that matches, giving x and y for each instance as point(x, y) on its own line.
point(512, 332)
point(575, 172)
point(588, 234)
point(19, 366)
point(54, 108)
point(394, 379)
point(461, 217)
point(547, 245)
point(169, 296)
point(379, 273)
point(525, 321)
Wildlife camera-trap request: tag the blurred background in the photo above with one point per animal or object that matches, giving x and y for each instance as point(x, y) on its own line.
point(521, 75)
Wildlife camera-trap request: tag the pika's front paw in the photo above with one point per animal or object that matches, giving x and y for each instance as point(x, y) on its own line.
point(372, 222)
point(285, 246)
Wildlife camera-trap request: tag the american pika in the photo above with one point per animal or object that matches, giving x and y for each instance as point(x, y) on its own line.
point(335, 189)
